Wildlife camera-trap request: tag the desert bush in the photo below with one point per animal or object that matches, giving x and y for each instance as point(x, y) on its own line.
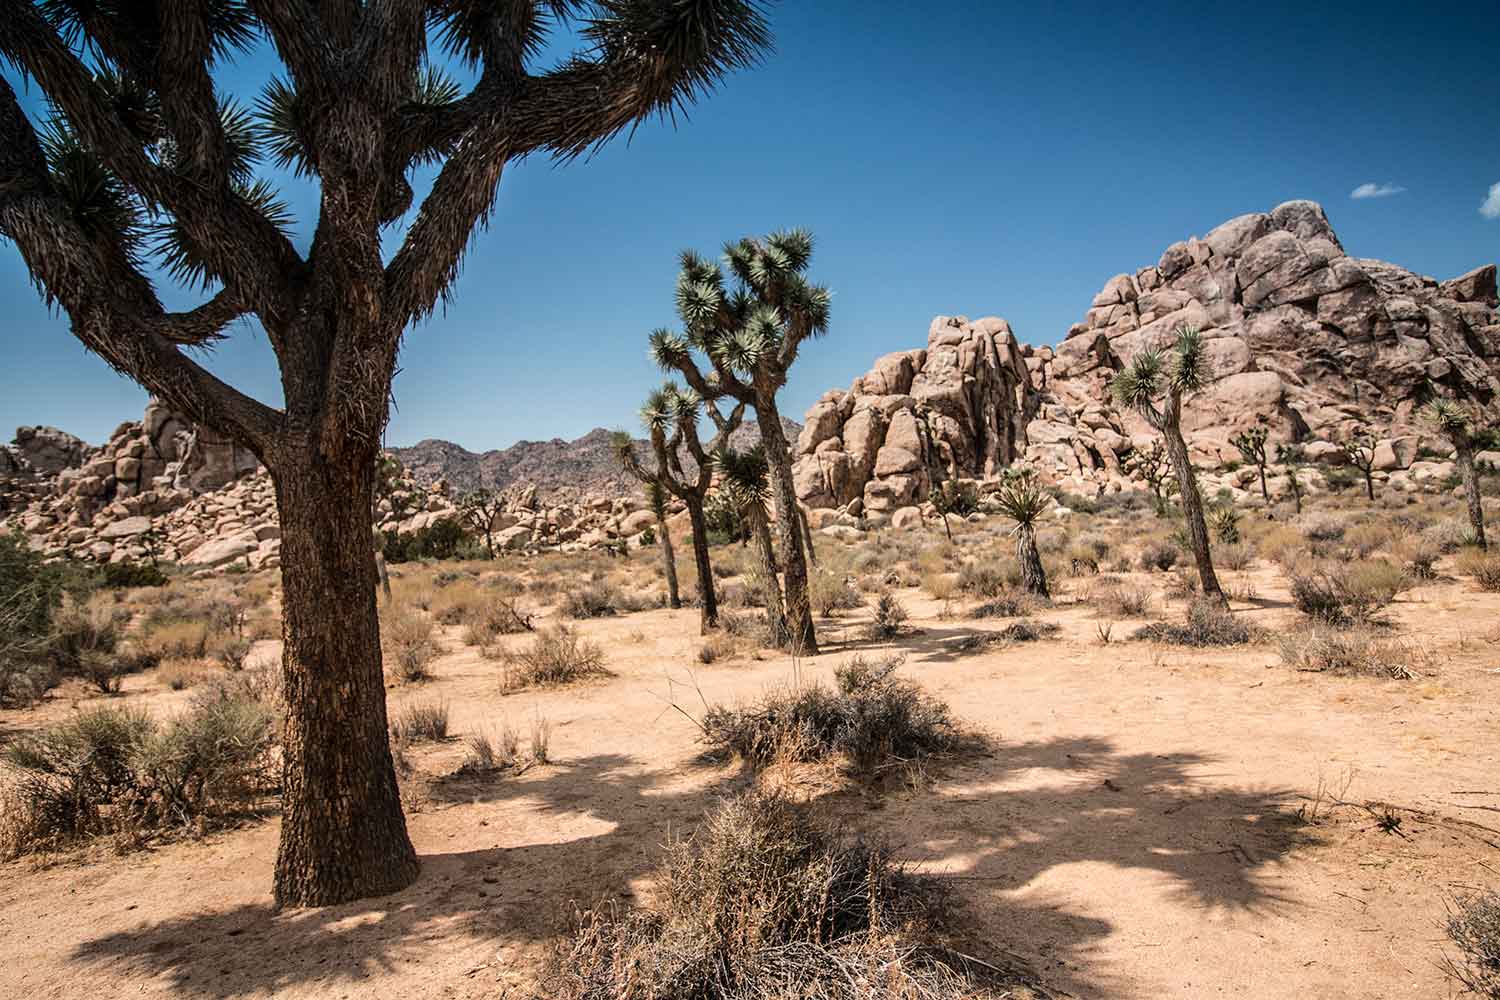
point(557, 655)
point(1026, 630)
point(178, 675)
point(177, 640)
point(1008, 603)
point(1484, 566)
point(1474, 928)
point(830, 592)
point(1224, 522)
point(1420, 558)
point(1367, 538)
point(422, 722)
point(988, 579)
point(118, 771)
point(1352, 653)
point(717, 647)
point(1208, 624)
point(940, 586)
point(496, 617)
point(232, 651)
point(600, 599)
point(1321, 527)
point(1236, 556)
point(764, 903)
point(487, 751)
point(890, 618)
point(1119, 598)
point(124, 575)
point(1448, 535)
point(870, 720)
point(407, 644)
point(441, 540)
point(1160, 556)
point(1347, 593)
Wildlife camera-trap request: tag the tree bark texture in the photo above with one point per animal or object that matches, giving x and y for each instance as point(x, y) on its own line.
point(1192, 504)
point(668, 559)
point(708, 601)
point(803, 637)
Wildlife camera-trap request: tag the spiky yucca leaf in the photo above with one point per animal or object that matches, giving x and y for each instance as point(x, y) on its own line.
point(666, 348)
point(1022, 498)
point(98, 202)
point(1139, 383)
point(137, 106)
point(1189, 368)
point(746, 471)
point(1450, 417)
point(283, 125)
point(795, 246)
point(173, 246)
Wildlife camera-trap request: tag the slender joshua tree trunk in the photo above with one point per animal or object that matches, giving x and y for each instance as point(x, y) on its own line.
point(343, 835)
point(1033, 575)
point(1464, 455)
point(775, 613)
point(1192, 501)
point(708, 601)
point(783, 490)
point(668, 557)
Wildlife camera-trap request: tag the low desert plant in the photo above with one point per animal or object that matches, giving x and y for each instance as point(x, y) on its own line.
point(1119, 598)
point(487, 751)
point(1352, 653)
point(409, 648)
point(495, 617)
point(557, 655)
point(1484, 566)
point(1474, 928)
point(1208, 624)
point(1322, 527)
point(830, 592)
point(717, 647)
point(1160, 556)
point(423, 722)
point(869, 721)
point(1347, 593)
point(890, 617)
point(762, 902)
point(1008, 603)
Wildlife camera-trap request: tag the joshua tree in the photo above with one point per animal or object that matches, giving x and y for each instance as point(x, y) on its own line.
point(750, 334)
point(1360, 450)
point(1291, 457)
point(1152, 465)
point(670, 417)
point(479, 509)
point(745, 478)
point(1022, 499)
point(1456, 425)
point(1150, 376)
point(656, 496)
point(147, 167)
point(1251, 444)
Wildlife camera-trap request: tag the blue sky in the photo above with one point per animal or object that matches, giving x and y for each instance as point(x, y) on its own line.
point(953, 158)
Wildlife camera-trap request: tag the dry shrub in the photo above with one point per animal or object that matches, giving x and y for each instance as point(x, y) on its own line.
point(601, 599)
point(762, 903)
point(940, 586)
point(1318, 527)
point(178, 674)
point(117, 771)
point(718, 647)
point(1419, 556)
point(1008, 603)
point(494, 618)
point(1282, 544)
point(890, 618)
point(1341, 593)
point(557, 655)
point(425, 722)
point(1474, 928)
point(830, 593)
point(1448, 535)
point(456, 599)
point(1369, 538)
point(1207, 624)
point(1160, 556)
point(1120, 598)
point(489, 751)
point(407, 642)
point(178, 640)
point(987, 579)
point(1483, 566)
point(870, 721)
point(1026, 630)
point(1353, 653)
point(1237, 556)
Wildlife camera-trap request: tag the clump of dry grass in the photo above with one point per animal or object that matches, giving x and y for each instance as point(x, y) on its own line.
point(422, 722)
point(178, 674)
point(871, 720)
point(557, 655)
point(1484, 566)
point(1160, 556)
point(1011, 602)
point(1342, 593)
point(889, 619)
point(408, 645)
point(721, 646)
point(1119, 598)
point(762, 903)
point(1353, 653)
point(830, 592)
point(1474, 928)
point(1207, 624)
point(494, 618)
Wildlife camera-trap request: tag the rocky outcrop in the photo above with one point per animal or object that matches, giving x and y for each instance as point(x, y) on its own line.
point(1299, 336)
point(957, 408)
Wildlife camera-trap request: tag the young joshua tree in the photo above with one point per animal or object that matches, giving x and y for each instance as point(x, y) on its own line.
point(1152, 376)
point(479, 509)
point(1022, 499)
point(750, 328)
point(1457, 426)
point(670, 417)
point(745, 477)
point(1251, 444)
point(1291, 458)
point(656, 497)
point(1152, 465)
point(1359, 449)
point(148, 168)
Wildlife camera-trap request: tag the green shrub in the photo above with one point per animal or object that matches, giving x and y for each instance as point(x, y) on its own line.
point(440, 540)
point(122, 575)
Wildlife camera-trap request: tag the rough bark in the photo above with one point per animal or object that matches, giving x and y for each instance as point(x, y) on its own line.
point(1464, 457)
point(1033, 575)
point(708, 601)
point(784, 493)
point(343, 835)
point(775, 613)
point(668, 558)
point(1192, 502)
point(1265, 494)
point(807, 538)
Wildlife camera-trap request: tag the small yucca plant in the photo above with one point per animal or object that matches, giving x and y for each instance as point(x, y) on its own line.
point(1023, 499)
point(1454, 421)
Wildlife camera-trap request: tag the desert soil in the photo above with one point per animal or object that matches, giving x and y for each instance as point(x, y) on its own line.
point(1153, 822)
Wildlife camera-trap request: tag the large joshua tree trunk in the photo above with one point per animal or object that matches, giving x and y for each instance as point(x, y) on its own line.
point(788, 525)
point(708, 601)
point(1464, 455)
point(343, 836)
point(1192, 503)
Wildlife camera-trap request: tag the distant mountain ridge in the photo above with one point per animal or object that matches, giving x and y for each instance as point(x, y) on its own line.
point(586, 463)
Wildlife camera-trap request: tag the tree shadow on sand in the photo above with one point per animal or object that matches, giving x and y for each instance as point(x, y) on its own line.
point(990, 827)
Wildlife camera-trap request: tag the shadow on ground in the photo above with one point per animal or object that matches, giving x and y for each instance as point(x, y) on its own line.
point(992, 827)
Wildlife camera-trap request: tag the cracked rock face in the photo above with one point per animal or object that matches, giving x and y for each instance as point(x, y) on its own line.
point(1299, 336)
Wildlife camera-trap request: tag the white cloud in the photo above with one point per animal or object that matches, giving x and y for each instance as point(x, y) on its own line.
point(1376, 191)
point(1490, 208)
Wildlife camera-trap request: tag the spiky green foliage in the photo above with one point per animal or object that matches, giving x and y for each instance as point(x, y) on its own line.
point(1152, 373)
point(1022, 498)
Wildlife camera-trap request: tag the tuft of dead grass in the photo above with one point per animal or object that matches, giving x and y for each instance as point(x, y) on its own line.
point(557, 655)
